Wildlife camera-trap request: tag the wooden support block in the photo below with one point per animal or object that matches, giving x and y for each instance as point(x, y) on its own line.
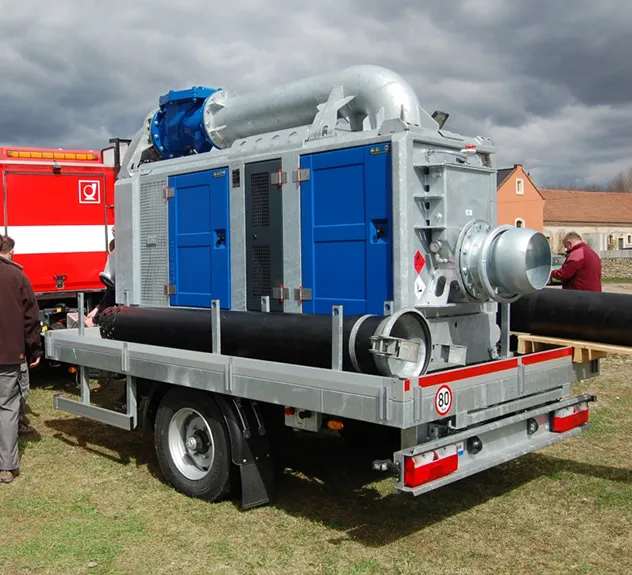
point(583, 351)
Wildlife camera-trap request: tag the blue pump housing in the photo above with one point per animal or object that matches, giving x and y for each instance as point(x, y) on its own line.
point(178, 126)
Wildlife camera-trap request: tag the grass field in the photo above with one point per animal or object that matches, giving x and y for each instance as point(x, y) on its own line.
point(90, 500)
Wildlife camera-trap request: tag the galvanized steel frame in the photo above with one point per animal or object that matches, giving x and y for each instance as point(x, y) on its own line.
point(374, 399)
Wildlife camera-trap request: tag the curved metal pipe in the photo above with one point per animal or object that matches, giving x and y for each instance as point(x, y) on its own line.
point(373, 92)
point(358, 93)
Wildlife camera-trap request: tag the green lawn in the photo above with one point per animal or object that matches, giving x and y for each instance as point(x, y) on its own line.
point(89, 494)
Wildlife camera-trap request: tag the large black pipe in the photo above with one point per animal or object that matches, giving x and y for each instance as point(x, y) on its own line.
point(571, 314)
point(302, 339)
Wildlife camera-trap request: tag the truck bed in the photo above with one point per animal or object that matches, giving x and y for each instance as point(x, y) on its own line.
point(476, 393)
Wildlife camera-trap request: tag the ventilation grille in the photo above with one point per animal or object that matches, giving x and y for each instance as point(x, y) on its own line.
point(261, 271)
point(260, 192)
point(154, 260)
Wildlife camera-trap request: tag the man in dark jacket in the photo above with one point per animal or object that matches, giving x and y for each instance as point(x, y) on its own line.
point(20, 342)
point(582, 268)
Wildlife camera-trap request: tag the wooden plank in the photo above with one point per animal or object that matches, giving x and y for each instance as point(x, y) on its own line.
point(583, 350)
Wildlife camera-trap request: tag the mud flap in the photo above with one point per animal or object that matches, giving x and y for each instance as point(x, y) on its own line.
point(250, 449)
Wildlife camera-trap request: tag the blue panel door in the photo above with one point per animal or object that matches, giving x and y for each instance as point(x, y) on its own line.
point(199, 248)
point(346, 231)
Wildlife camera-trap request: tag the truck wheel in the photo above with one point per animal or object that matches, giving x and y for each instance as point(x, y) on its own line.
point(192, 444)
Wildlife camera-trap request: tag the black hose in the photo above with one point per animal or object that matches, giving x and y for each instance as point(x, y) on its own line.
point(302, 339)
point(583, 315)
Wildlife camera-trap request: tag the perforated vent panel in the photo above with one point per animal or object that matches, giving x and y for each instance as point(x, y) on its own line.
point(260, 190)
point(261, 271)
point(154, 259)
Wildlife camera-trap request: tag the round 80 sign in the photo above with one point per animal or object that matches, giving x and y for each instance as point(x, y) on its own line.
point(443, 400)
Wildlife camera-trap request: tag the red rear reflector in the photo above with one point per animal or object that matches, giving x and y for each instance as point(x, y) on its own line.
point(570, 417)
point(430, 466)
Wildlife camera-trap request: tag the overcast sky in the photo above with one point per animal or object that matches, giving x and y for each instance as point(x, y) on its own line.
point(548, 80)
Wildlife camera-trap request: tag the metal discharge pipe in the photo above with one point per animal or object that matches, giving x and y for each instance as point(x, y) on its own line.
point(378, 94)
point(501, 263)
point(300, 339)
point(589, 316)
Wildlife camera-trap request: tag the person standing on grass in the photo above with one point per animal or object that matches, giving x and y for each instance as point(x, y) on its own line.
point(582, 268)
point(20, 343)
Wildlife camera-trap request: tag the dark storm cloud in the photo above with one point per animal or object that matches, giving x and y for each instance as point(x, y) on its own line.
point(546, 80)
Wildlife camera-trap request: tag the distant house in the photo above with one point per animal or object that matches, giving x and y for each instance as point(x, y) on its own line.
point(603, 219)
point(519, 202)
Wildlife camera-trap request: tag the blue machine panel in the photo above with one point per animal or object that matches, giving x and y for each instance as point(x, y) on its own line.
point(199, 248)
point(346, 230)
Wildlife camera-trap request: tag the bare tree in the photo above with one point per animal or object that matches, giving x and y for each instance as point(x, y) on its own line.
point(622, 182)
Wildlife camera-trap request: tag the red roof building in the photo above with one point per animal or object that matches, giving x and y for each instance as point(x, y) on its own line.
point(603, 219)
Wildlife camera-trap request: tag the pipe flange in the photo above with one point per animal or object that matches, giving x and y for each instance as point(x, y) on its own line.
point(352, 342)
point(493, 292)
point(404, 325)
point(215, 103)
point(466, 258)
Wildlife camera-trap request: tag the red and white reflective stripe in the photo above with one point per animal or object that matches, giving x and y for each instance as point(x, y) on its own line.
point(452, 375)
point(550, 355)
point(59, 239)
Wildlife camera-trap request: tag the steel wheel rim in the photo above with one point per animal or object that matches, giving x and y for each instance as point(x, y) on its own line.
point(191, 444)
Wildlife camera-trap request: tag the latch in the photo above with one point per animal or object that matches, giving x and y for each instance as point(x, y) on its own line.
point(395, 347)
point(60, 281)
point(279, 178)
point(301, 175)
point(302, 294)
point(280, 293)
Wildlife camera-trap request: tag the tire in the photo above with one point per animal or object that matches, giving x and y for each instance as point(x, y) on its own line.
point(201, 469)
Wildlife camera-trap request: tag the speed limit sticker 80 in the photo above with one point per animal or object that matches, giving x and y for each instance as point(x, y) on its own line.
point(443, 400)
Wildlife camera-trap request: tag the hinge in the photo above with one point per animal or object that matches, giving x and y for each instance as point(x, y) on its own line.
point(170, 289)
point(303, 294)
point(301, 175)
point(281, 293)
point(170, 193)
point(279, 178)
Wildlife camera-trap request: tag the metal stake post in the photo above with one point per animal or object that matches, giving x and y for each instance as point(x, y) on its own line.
point(504, 329)
point(84, 382)
point(216, 328)
point(336, 338)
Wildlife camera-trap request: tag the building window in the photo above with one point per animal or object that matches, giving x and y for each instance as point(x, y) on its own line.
point(629, 239)
point(519, 223)
point(520, 187)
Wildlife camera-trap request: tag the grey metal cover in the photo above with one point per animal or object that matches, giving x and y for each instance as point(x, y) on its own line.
point(154, 253)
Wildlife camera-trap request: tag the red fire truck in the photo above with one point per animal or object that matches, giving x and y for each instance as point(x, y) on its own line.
point(58, 206)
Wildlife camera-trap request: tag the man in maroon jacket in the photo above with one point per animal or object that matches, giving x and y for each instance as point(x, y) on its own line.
point(20, 342)
point(582, 268)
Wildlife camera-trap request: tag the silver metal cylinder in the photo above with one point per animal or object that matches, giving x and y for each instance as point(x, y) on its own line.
point(503, 263)
point(377, 93)
point(402, 345)
point(521, 261)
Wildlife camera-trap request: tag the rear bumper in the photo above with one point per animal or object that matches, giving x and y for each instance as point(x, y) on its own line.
point(499, 441)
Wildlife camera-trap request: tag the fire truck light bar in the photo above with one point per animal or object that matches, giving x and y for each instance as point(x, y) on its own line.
point(50, 155)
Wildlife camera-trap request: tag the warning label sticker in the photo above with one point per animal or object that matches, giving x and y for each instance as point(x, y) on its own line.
point(420, 261)
point(420, 286)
